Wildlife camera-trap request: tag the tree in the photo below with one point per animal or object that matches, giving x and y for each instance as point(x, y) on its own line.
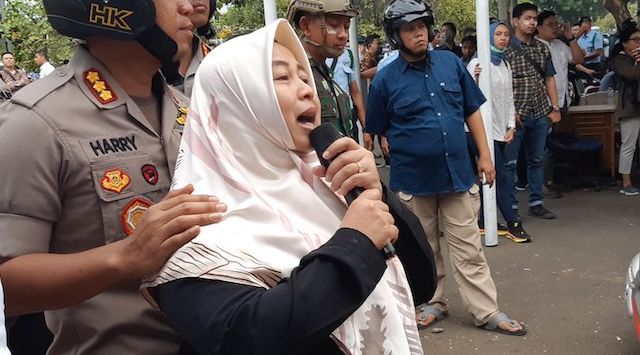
point(570, 11)
point(619, 10)
point(25, 26)
point(461, 12)
point(243, 16)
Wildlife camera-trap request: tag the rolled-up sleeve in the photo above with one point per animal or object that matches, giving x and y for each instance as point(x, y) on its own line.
point(31, 155)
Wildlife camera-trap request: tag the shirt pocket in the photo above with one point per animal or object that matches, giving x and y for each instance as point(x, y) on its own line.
point(452, 94)
point(406, 107)
point(126, 187)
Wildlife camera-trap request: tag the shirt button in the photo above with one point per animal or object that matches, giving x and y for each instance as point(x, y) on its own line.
point(446, 154)
point(439, 114)
point(445, 133)
point(426, 75)
point(441, 84)
point(432, 94)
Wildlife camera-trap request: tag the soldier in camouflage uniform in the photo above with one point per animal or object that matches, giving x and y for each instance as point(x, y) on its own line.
point(323, 26)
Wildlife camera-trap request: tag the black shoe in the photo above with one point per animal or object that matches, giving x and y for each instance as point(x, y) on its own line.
point(551, 192)
point(517, 233)
point(541, 212)
point(502, 229)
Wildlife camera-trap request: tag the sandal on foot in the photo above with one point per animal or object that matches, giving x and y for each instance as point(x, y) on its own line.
point(425, 311)
point(493, 325)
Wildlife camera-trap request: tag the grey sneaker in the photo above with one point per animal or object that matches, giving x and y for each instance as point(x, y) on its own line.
point(629, 190)
point(541, 212)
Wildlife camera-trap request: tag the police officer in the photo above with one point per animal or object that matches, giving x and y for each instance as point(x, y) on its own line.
point(87, 152)
point(203, 11)
point(323, 26)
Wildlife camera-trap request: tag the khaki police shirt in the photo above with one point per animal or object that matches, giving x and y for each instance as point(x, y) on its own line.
point(198, 56)
point(81, 163)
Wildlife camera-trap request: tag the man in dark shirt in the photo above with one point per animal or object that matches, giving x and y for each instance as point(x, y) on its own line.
point(448, 33)
point(421, 102)
point(16, 78)
point(536, 101)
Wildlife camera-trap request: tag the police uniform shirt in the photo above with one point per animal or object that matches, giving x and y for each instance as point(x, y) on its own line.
point(200, 52)
point(81, 165)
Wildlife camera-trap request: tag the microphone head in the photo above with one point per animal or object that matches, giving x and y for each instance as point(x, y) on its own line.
point(322, 137)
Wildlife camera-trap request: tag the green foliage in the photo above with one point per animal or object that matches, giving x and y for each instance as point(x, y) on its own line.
point(25, 25)
point(244, 16)
point(570, 11)
point(461, 12)
point(608, 23)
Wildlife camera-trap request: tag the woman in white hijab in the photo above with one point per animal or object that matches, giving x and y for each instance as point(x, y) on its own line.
point(290, 269)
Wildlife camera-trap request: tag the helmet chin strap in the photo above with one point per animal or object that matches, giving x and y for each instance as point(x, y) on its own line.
point(327, 51)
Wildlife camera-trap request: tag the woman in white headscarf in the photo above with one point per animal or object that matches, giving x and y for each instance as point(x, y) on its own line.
point(290, 269)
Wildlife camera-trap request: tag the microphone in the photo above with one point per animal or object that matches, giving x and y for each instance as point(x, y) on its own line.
point(321, 138)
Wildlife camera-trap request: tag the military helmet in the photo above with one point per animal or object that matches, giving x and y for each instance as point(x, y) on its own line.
point(320, 7)
point(401, 12)
point(118, 19)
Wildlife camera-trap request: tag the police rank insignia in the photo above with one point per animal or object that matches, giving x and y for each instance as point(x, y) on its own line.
point(99, 87)
point(133, 212)
point(115, 180)
point(205, 49)
point(149, 173)
point(182, 115)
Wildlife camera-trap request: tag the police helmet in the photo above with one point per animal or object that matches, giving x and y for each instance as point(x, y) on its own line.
point(207, 31)
point(118, 19)
point(297, 8)
point(401, 12)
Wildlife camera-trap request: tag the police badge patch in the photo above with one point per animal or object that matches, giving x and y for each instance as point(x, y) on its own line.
point(115, 180)
point(133, 212)
point(149, 173)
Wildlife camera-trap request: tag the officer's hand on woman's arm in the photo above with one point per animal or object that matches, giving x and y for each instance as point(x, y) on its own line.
point(46, 281)
point(351, 166)
point(165, 227)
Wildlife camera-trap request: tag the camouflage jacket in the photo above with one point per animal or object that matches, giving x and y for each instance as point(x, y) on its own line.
point(334, 102)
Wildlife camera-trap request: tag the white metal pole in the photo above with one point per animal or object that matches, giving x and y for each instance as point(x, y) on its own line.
point(484, 56)
point(270, 11)
point(353, 45)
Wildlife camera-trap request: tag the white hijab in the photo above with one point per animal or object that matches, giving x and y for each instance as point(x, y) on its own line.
point(237, 146)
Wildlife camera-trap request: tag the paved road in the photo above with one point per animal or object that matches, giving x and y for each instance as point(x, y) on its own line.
point(567, 285)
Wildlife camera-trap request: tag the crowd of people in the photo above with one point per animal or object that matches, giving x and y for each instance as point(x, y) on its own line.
point(14, 78)
point(145, 226)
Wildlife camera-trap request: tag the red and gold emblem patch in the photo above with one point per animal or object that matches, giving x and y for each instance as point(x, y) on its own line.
point(182, 115)
point(115, 180)
point(99, 87)
point(133, 212)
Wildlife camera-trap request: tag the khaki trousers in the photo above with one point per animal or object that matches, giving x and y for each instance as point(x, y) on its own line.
point(458, 216)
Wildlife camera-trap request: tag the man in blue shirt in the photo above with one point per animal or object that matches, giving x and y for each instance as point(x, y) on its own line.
point(592, 43)
point(421, 102)
point(342, 71)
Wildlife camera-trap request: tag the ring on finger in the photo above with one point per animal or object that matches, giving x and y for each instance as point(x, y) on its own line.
point(359, 167)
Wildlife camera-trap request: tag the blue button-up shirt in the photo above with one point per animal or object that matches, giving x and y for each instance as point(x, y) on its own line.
point(422, 112)
point(590, 42)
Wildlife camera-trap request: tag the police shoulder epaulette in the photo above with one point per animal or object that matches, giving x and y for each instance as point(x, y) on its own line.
point(36, 91)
